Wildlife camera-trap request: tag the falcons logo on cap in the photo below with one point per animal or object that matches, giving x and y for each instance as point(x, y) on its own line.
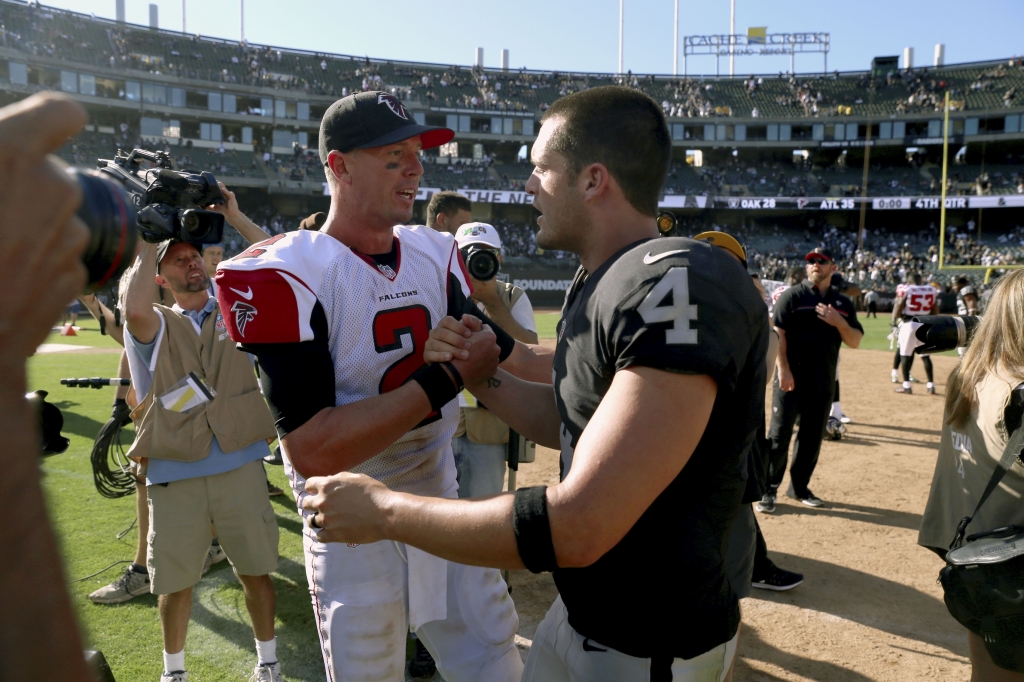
point(394, 104)
point(244, 314)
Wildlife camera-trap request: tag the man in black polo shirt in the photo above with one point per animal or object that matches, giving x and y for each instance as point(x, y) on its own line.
point(812, 320)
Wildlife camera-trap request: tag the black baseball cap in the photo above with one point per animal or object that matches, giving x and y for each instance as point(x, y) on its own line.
point(820, 253)
point(164, 246)
point(373, 119)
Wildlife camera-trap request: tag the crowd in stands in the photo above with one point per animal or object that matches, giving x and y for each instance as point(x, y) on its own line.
point(75, 37)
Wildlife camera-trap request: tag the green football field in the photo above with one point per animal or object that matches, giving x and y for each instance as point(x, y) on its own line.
point(220, 644)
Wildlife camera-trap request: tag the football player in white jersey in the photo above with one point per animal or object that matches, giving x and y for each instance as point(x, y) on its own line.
point(913, 299)
point(338, 319)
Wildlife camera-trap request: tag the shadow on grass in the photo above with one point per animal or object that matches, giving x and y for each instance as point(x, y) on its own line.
point(219, 607)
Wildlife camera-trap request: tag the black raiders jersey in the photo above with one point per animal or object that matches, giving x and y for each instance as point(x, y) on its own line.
point(684, 306)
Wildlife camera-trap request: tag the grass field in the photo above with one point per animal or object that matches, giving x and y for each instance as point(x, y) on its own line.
point(220, 645)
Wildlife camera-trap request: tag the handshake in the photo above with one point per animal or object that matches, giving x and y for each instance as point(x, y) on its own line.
point(468, 344)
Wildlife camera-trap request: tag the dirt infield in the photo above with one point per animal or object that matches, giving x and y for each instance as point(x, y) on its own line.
point(870, 607)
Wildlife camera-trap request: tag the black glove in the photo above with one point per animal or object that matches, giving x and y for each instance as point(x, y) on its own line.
point(121, 412)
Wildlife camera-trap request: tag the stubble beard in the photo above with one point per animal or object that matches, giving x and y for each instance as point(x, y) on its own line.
point(563, 230)
point(188, 287)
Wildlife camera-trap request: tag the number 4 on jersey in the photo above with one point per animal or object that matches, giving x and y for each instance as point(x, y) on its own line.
point(680, 312)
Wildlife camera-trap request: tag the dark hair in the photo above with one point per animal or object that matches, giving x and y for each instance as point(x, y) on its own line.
point(962, 281)
point(916, 278)
point(448, 203)
point(621, 128)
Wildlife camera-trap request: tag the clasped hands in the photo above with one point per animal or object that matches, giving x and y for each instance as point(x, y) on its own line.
point(354, 508)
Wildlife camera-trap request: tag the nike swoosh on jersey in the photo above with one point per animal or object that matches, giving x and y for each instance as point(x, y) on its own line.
point(648, 259)
point(587, 646)
point(247, 294)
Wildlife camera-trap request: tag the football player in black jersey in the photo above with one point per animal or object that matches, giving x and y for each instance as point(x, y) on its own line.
point(659, 375)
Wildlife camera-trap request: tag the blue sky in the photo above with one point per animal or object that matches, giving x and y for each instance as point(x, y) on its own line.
point(577, 35)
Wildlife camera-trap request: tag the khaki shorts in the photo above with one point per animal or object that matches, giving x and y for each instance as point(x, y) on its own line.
point(181, 512)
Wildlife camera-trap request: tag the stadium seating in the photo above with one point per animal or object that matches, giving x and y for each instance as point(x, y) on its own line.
point(79, 38)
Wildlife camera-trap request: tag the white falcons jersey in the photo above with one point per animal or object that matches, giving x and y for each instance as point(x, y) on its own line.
point(378, 321)
point(918, 299)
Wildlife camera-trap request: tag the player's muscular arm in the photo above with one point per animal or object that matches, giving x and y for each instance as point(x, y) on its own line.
point(338, 438)
point(608, 488)
point(897, 309)
point(141, 319)
point(528, 407)
point(972, 304)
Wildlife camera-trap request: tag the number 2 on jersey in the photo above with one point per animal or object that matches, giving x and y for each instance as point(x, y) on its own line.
point(389, 326)
point(680, 312)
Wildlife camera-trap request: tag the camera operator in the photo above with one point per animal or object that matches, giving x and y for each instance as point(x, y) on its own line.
point(480, 443)
point(984, 405)
point(448, 211)
point(39, 637)
point(200, 450)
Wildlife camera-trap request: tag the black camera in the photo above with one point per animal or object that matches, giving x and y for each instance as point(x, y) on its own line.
point(481, 261)
point(122, 201)
point(50, 421)
point(940, 333)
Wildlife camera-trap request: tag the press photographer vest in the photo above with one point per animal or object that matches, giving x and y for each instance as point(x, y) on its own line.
point(237, 415)
point(478, 423)
point(968, 455)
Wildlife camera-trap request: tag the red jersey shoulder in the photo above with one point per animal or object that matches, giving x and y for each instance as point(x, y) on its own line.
point(267, 293)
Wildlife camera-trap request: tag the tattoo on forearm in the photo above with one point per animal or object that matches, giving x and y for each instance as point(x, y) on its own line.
point(493, 383)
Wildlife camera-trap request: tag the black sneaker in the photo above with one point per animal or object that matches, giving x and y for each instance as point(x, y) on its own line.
point(767, 503)
point(809, 499)
point(777, 579)
point(422, 666)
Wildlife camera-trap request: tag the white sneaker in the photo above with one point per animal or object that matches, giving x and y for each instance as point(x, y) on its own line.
point(214, 555)
point(131, 584)
point(268, 672)
point(176, 676)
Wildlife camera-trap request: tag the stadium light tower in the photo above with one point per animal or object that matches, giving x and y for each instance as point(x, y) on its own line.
point(241, 21)
point(183, 29)
point(675, 42)
point(732, 32)
point(620, 35)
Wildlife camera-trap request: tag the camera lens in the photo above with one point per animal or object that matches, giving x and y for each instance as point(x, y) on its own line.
point(109, 213)
point(482, 264)
point(201, 227)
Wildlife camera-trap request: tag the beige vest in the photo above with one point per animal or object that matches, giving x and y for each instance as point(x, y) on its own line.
point(478, 423)
point(237, 415)
point(968, 455)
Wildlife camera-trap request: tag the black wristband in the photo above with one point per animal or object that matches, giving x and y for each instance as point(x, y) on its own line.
point(532, 529)
point(436, 383)
point(455, 373)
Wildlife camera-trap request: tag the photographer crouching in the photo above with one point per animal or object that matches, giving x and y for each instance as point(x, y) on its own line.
point(978, 486)
point(201, 430)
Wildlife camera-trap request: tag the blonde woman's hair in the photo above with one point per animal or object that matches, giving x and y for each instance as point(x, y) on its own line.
point(997, 347)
